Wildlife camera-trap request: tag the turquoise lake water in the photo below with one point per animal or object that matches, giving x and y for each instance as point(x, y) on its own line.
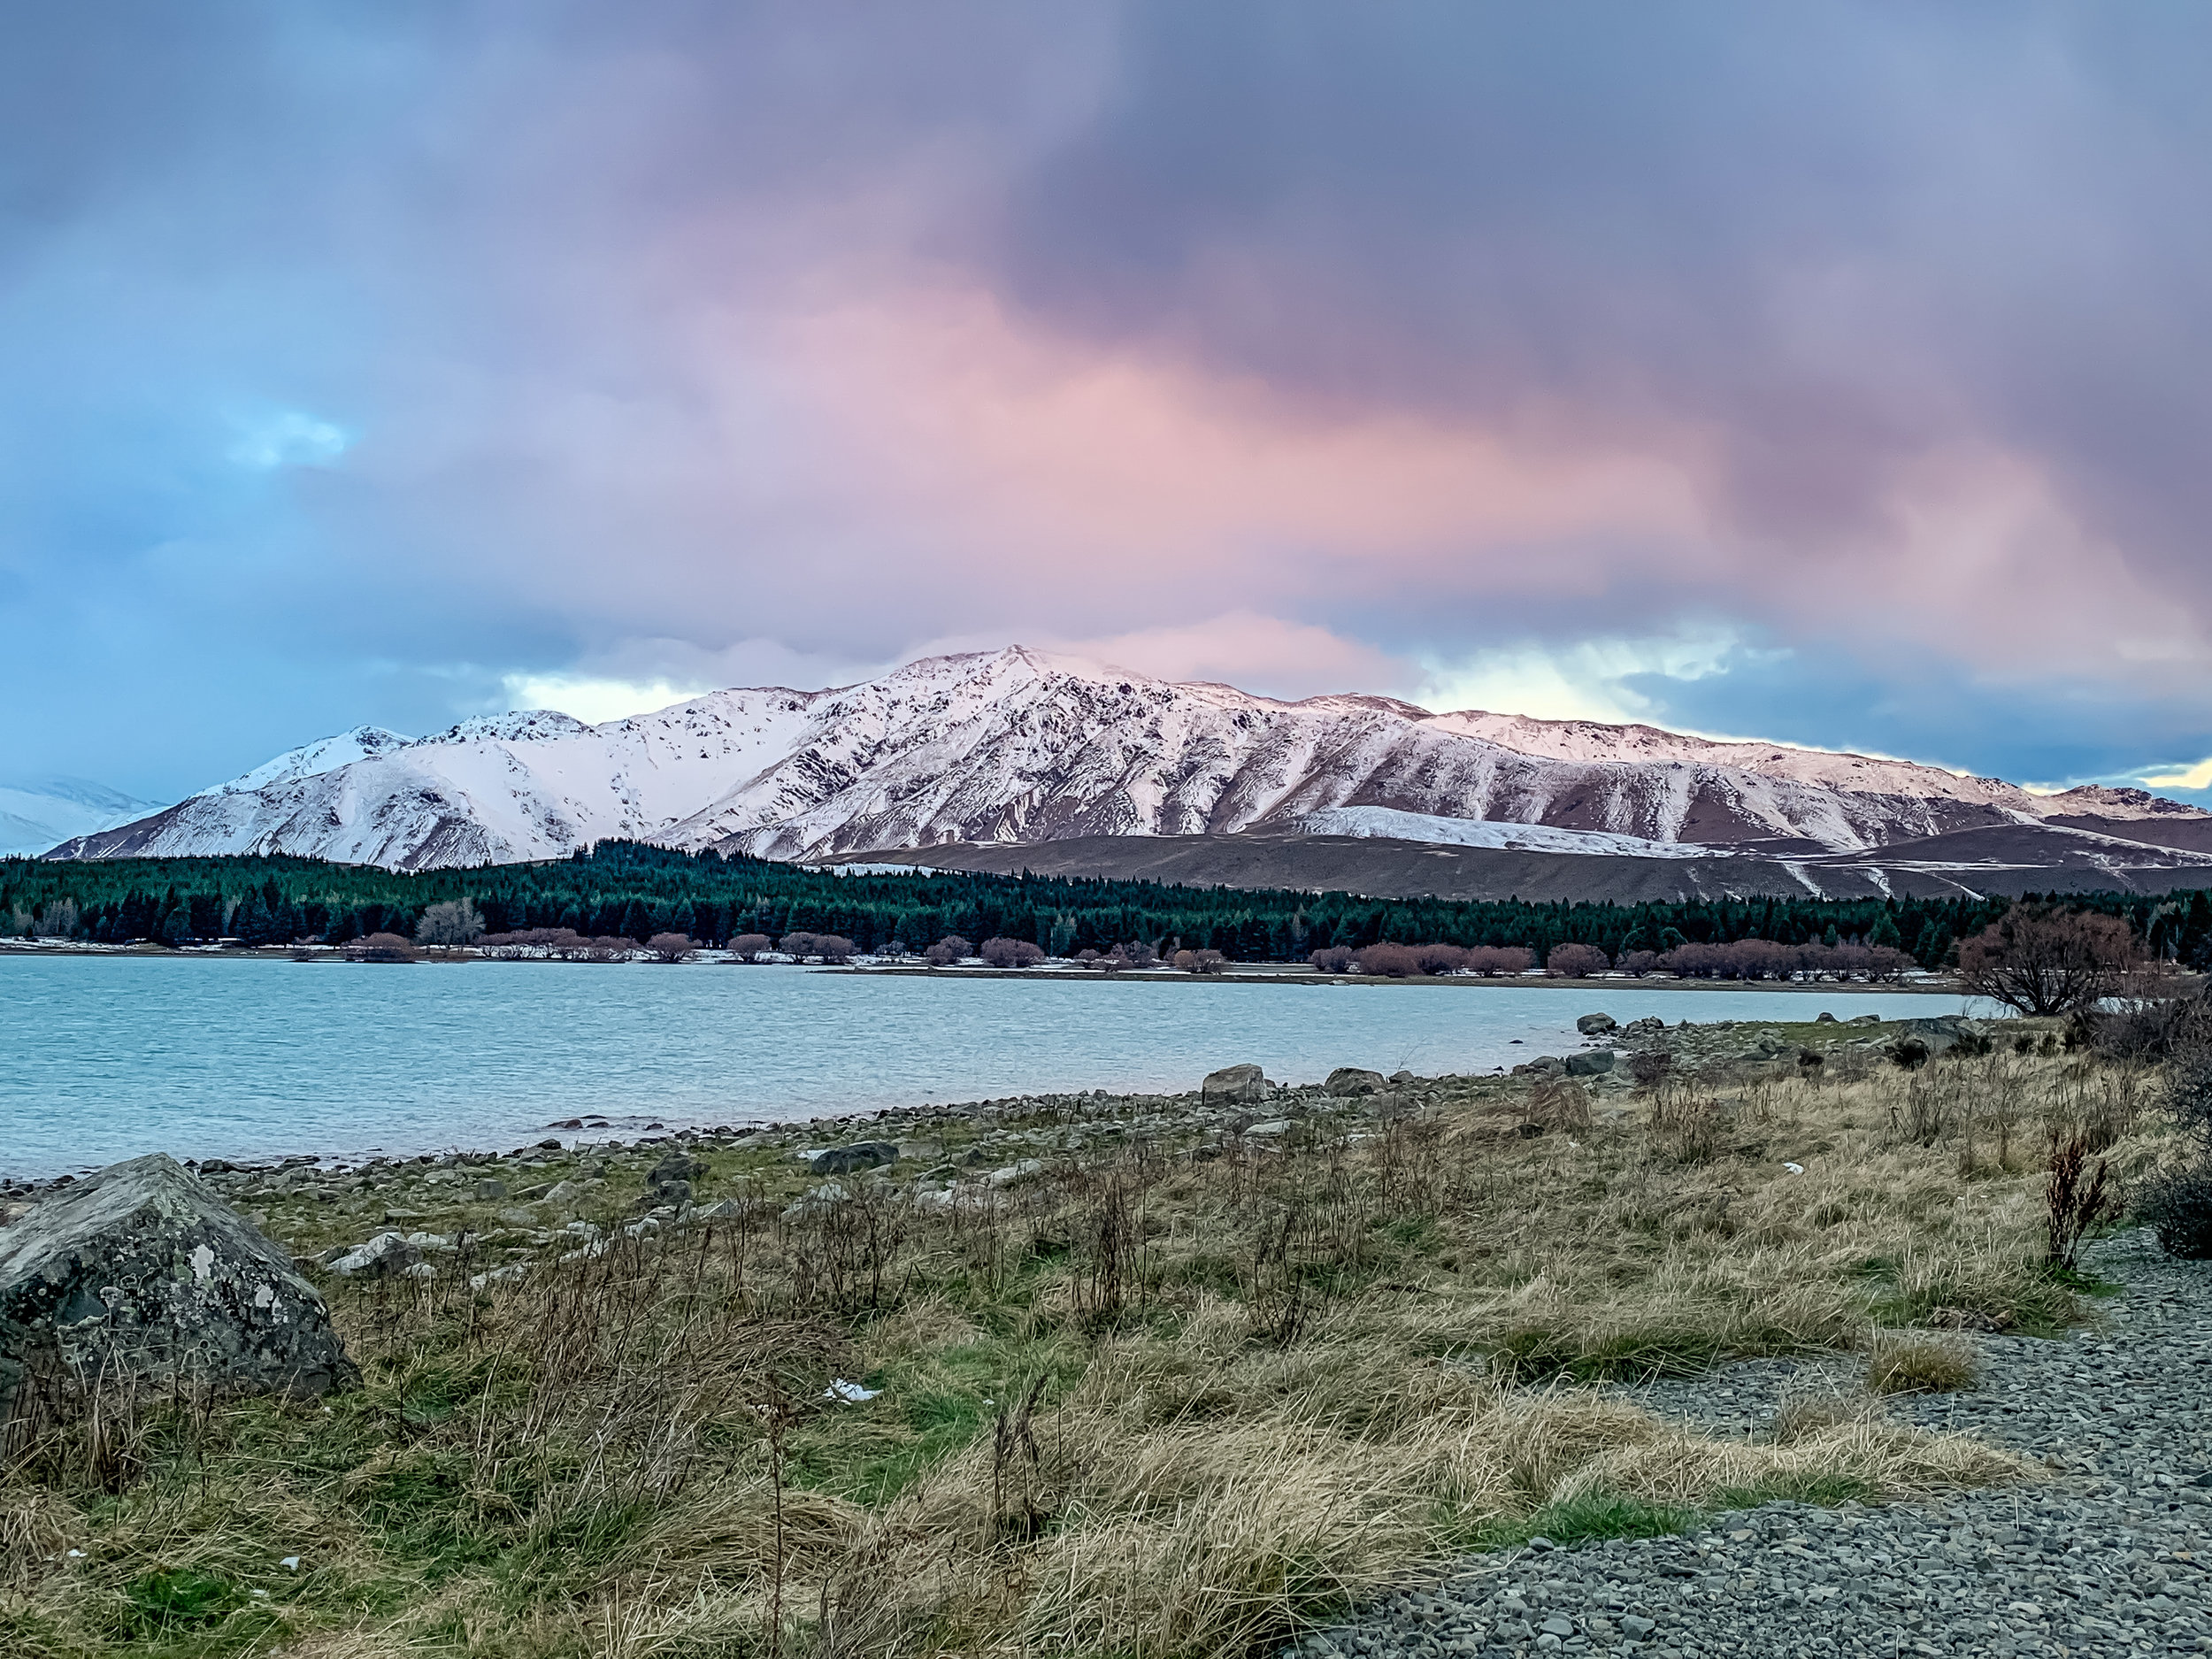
point(103, 1058)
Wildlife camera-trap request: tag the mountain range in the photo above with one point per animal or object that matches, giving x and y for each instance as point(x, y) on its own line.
point(1019, 759)
point(35, 816)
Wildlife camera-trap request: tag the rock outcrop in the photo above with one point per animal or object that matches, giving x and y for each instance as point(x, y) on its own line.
point(141, 1273)
point(1233, 1085)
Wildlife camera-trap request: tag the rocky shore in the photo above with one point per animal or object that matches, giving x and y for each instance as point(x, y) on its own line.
point(2105, 1554)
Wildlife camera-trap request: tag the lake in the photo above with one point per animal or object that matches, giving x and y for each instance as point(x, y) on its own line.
point(103, 1058)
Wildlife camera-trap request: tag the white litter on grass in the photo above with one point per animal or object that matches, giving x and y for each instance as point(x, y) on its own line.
point(1794, 1168)
point(850, 1393)
point(76, 1554)
point(290, 1563)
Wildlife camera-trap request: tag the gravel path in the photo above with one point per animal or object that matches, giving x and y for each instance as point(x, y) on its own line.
point(2108, 1555)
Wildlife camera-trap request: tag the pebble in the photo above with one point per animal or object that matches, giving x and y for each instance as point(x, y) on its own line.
point(2106, 1555)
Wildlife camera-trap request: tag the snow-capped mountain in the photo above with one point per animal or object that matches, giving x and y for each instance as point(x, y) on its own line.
point(35, 816)
point(1015, 746)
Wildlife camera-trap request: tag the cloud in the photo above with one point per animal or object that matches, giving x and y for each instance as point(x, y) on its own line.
point(289, 439)
point(1827, 373)
point(2195, 777)
point(1605, 680)
point(593, 701)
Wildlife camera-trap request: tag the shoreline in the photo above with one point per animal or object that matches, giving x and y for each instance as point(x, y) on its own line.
point(590, 1136)
point(1253, 973)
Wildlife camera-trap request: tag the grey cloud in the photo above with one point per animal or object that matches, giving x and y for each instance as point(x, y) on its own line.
point(1832, 234)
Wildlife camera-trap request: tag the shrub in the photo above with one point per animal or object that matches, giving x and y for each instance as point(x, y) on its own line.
point(1396, 962)
point(1334, 959)
point(1902, 1364)
point(751, 947)
point(948, 950)
point(670, 947)
point(2076, 1196)
point(1200, 962)
point(1650, 1066)
point(380, 947)
point(2176, 1205)
point(2150, 1028)
point(1494, 961)
point(1576, 962)
point(1010, 953)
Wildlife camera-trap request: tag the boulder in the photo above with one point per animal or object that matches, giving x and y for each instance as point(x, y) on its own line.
point(385, 1254)
point(143, 1272)
point(669, 1181)
point(1596, 1025)
point(861, 1155)
point(1349, 1080)
point(1650, 1024)
point(1233, 1085)
point(1542, 1065)
point(1591, 1063)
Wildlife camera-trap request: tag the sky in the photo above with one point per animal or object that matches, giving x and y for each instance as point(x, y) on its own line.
point(1836, 374)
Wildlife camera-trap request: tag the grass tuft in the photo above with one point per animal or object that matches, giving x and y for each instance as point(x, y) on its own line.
point(1904, 1363)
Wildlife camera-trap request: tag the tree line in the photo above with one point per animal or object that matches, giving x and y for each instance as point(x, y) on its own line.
point(631, 891)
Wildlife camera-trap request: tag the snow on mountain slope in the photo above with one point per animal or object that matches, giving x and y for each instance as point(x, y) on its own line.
point(326, 754)
point(35, 816)
point(1382, 823)
point(1017, 746)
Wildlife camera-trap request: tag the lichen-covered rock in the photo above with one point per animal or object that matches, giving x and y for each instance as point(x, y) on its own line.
point(143, 1272)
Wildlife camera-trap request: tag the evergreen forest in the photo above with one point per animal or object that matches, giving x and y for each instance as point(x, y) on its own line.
point(626, 889)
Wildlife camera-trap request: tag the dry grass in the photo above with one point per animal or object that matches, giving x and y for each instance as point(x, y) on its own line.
point(1169, 1399)
point(1904, 1363)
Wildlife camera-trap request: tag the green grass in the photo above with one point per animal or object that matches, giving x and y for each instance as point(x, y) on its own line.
point(1592, 1517)
point(1540, 1356)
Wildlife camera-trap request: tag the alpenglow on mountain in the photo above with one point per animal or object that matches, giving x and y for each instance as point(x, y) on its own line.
point(1016, 747)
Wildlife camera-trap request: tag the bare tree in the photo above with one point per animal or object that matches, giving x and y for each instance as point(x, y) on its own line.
point(1011, 953)
point(58, 920)
point(670, 947)
point(750, 947)
point(2041, 959)
point(454, 922)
